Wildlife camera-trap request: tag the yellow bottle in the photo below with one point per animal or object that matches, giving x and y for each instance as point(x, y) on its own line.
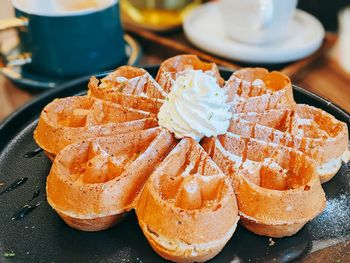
point(157, 15)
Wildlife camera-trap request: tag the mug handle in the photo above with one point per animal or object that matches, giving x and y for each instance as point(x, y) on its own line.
point(266, 13)
point(13, 23)
point(10, 23)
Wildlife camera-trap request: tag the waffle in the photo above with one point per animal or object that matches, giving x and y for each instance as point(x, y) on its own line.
point(265, 170)
point(277, 188)
point(171, 67)
point(191, 196)
point(92, 183)
point(130, 87)
point(133, 81)
point(257, 90)
point(306, 128)
point(68, 120)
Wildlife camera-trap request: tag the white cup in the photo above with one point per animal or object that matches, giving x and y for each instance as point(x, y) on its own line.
point(257, 21)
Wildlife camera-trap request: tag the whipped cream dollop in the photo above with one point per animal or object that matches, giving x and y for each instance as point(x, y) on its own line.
point(195, 107)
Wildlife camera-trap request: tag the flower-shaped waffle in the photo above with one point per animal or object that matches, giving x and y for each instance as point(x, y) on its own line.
point(179, 191)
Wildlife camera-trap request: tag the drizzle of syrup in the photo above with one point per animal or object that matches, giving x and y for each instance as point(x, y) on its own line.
point(28, 207)
point(33, 153)
point(25, 210)
point(14, 185)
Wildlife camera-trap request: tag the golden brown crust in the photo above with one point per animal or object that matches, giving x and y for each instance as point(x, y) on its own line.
point(94, 224)
point(290, 198)
point(271, 230)
point(65, 121)
point(257, 90)
point(305, 128)
point(103, 177)
point(190, 195)
point(132, 101)
point(171, 67)
point(133, 81)
point(188, 254)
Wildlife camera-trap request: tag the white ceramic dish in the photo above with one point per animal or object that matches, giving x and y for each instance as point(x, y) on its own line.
point(204, 28)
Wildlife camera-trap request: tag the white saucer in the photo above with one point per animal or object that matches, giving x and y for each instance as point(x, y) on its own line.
point(203, 27)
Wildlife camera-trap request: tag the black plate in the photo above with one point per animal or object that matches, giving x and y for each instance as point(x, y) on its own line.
point(43, 237)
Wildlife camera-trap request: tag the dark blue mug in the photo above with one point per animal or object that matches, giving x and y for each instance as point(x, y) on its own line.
point(69, 41)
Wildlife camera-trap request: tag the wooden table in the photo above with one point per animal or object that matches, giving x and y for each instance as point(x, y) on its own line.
point(10, 97)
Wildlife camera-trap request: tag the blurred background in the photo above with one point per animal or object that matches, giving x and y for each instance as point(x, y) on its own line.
point(325, 11)
point(155, 31)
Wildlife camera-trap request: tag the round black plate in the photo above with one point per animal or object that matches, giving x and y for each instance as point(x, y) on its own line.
point(43, 237)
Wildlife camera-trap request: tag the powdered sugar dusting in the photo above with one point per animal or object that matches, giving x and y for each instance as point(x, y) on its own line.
point(333, 221)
